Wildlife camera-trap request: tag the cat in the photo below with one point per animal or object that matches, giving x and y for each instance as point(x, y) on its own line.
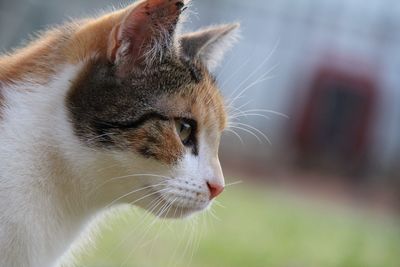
point(117, 109)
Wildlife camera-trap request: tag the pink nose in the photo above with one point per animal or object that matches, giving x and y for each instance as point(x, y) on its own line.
point(215, 189)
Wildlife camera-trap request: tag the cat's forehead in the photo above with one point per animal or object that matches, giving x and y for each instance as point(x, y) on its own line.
point(169, 76)
point(175, 88)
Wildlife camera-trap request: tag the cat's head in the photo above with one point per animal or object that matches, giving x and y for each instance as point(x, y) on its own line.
point(153, 109)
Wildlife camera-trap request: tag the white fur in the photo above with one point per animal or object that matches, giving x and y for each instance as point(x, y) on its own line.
point(51, 185)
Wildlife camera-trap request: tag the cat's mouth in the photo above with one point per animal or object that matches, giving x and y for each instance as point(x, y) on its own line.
point(174, 206)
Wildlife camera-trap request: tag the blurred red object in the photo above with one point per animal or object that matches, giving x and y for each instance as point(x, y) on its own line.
point(335, 122)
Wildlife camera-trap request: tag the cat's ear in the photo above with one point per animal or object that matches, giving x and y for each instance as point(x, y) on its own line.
point(209, 45)
point(145, 33)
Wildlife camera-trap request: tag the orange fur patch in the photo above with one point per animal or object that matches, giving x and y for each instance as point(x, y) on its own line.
point(211, 107)
point(207, 105)
point(32, 60)
point(70, 43)
point(157, 140)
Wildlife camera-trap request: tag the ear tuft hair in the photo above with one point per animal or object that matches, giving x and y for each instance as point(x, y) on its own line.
point(145, 33)
point(210, 44)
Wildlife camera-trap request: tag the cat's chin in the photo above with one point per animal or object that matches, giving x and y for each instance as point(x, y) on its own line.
point(176, 211)
point(170, 210)
point(184, 213)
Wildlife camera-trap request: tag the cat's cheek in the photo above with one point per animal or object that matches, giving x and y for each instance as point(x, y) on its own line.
point(158, 142)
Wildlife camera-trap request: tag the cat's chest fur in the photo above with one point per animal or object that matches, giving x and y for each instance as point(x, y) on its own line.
point(36, 182)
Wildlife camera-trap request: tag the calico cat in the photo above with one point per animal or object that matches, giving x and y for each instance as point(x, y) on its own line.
point(99, 112)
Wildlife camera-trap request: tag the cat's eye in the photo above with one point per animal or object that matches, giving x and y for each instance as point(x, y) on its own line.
point(184, 130)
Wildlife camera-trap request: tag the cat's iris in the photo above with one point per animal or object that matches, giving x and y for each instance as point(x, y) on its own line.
point(184, 130)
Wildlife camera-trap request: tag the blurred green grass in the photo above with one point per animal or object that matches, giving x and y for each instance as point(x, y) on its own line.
point(255, 228)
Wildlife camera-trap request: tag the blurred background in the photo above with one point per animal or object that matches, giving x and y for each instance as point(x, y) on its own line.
point(313, 153)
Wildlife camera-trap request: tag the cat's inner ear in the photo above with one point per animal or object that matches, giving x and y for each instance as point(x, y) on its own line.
point(145, 34)
point(209, 45)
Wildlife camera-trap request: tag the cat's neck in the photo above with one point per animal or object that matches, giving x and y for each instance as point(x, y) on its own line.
point(43, 212)
point(41, 205)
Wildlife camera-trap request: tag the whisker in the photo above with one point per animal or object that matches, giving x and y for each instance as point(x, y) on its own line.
point(223, 70)
point(236, 134)
point(234, 183)
point(174, 254)
point(270, 112)
point(176, 208)
point(151, 207)
point(196, 240)
point(211, 212)
point(135, 191)
point(143, 235)
point(127, 176)
point(250, 115)
point(232, 110)
point(219, 203)
point(258, 68)
point(247, 131)
point(188, 242)
point(161, 225)
point(148, 195)
point(234, 73)
point(239, 109)
point(255, 129)
point(263, 78)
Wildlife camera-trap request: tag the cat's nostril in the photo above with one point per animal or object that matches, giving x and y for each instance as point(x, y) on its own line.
point(215, 189)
